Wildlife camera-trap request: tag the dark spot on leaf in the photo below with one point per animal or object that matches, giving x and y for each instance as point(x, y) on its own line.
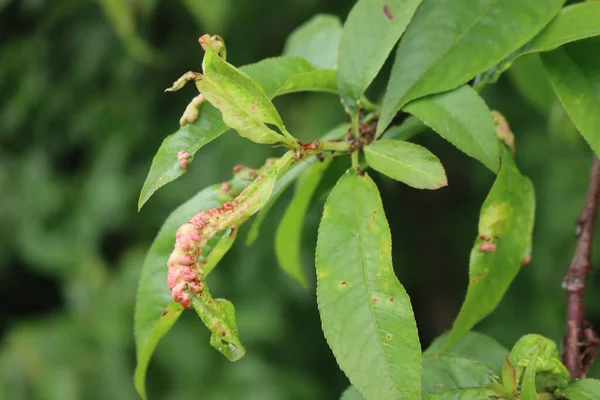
point(164, 313)
point(343, 283)
point(376, 276)
point(484, 237)
point(479, 276)
point(439, 386)
point(387, 12)
point(391, 299)
point(388, 336)
point(375, 300)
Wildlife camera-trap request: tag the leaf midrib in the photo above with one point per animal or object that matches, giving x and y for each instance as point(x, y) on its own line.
point(367, 287)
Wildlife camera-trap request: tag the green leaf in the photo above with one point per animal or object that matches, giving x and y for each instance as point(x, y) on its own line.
point(528, 391)
point(449, 42)
point(370, 32)
point(584, 389)
point(509, 375)
point(574, 72)
point(270, 73)
point(550, 371)
point(473, 345)
point(406, 162)
point(411, 127)
point(575, 22)
point(351, 394)
point(219, 317)
point(289, 232)
point(505, 226)
point(321, 80)
point(365, 312)
point(159, 330)
point(462, 370)
point(243, 103)
point(528, 76)
point(461, 117)
point(273, 73)
point(285, 181)
point(190, 137)
point(317, 40)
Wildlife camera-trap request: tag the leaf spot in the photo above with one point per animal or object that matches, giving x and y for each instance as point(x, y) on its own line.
point(391, 300)
point(387, 12)
point(388, 336)
point(375, 299)
point(479, 276)
point(164, 313)
point(343, 284)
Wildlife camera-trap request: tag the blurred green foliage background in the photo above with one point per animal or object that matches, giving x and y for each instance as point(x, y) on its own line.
point(82, 111)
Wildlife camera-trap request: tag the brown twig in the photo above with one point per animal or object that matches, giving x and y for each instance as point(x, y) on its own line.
point(577, 345)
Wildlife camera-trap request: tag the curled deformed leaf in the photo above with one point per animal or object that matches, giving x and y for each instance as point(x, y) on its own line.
point(219, 317)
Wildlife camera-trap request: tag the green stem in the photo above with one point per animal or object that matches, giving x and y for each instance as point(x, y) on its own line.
point(355, 124)
point(368, 104)
point(334, 146)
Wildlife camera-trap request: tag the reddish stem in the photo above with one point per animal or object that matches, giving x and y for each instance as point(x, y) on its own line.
point(575, 344)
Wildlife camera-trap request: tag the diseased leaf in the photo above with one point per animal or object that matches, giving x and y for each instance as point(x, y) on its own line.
point(317, 40)
point(289, 232)
point(321, 80)
point(190, 137)
point(270, 73)
point(370, 32)
point(574, 72)
point(505, 226)
point(584, 389)
point(160, 328)
point(219, 317)
point(461, 117)
point(366, 314)
point(574, 22)
point(216, 248)
point(448, 42)
point(351, 394)
point(406, 162)
point(154, 297)
point(528, 391)
point(243, 103)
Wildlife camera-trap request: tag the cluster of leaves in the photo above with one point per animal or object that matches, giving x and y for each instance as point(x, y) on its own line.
point(366, 314)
